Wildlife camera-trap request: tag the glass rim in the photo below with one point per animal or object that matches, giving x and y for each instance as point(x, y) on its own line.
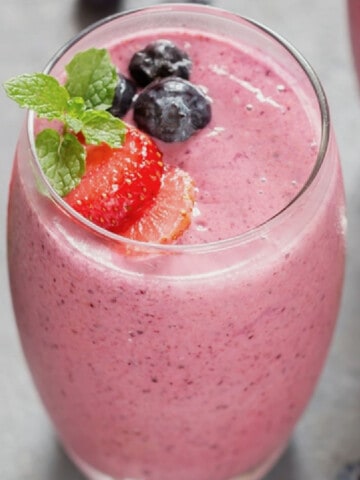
point(225, 243)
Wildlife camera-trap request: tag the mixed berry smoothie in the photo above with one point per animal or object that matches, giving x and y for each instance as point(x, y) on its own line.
point(192, 361)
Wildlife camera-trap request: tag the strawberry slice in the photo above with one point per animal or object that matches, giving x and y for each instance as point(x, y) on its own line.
point(118, 184)
point(169, 214)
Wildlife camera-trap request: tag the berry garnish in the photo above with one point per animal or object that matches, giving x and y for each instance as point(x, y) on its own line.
point(124, 94)
point(120, 183)
point(351, 471)
point(169, 214)
point(109, 172)
point(159, 59)
point(172, 109)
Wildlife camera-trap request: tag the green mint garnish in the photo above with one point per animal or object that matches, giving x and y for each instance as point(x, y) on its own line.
point(80, 105)
point(99, 126)
point(62, 158)
point(74, 111)
point(39, 92)
point(92, 76)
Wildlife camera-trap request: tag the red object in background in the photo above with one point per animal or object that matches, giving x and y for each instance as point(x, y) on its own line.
point(354, 26)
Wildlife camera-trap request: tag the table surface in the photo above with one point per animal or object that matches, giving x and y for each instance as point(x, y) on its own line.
point(329, 433)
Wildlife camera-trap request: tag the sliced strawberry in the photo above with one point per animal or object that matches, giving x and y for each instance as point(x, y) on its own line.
point(118, 184)
point(169, 214)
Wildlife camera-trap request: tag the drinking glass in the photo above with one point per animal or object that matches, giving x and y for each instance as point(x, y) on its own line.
point(178, 362)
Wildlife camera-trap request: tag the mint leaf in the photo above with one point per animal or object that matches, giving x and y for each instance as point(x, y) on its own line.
point(39, 92)
point(62, 158)
point(92, 76)
point(99, 126)
point(75, 109)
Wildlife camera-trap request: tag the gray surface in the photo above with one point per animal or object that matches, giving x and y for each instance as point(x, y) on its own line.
point(329, 433)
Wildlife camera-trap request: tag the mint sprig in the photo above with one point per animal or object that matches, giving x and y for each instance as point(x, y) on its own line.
point(92, 76)
point(62, 158)
point(39, 92)
point(80, 105)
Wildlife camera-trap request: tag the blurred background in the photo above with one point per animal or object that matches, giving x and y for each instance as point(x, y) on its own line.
point(329, 434)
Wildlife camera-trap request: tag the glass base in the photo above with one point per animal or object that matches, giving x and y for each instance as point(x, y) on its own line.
point(255, 474)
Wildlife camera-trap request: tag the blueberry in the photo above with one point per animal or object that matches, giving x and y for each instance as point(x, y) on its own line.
point(172, 109)
point(123, 98)
point(159, 59)
point(351, 471)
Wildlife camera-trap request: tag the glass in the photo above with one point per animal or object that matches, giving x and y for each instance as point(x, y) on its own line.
point(173, 362)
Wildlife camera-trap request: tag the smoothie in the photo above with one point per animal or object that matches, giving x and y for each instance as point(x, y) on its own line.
point(193, 361)
point(257, 119)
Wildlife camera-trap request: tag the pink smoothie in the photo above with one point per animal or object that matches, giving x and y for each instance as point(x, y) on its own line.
point(190, 366)
point(256, 119)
